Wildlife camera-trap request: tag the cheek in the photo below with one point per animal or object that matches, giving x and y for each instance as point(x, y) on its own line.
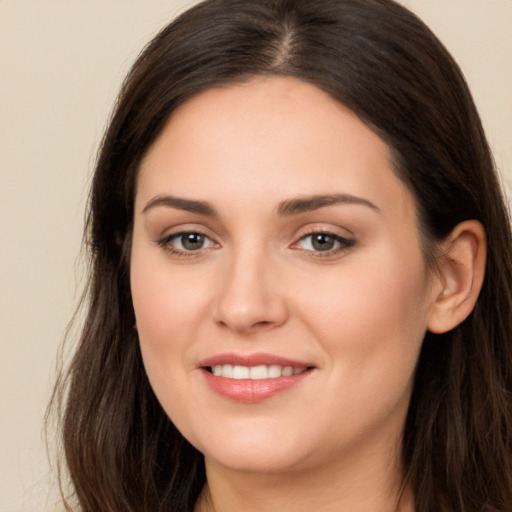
point(371, 326)
point(167, 311)
point(375, 308)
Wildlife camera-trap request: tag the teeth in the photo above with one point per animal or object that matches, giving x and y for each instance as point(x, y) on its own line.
point(254, 372)
point(287, 371)
point(240, 372)
point(258, 372)
point(274, 371)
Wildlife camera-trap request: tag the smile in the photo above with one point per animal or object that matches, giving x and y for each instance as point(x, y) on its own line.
point(259, 372)
point(252, 378)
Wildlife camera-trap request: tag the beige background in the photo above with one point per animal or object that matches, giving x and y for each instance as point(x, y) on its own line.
point(61, 62)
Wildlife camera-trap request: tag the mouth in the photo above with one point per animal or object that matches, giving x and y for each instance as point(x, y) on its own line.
point(254, 378)
point(260, 372)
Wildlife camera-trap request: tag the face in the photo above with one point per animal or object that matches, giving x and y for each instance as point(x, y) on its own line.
point(280, 291)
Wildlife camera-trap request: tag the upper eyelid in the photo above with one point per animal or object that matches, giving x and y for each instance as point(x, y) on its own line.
point(329, 229)
point(181, 229)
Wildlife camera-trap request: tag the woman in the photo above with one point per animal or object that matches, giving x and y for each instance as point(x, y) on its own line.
point(300, 274)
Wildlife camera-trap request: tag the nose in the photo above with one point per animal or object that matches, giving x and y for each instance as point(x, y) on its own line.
point(250, 298)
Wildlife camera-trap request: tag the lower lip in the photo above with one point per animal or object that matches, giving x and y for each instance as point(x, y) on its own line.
point(249, 390)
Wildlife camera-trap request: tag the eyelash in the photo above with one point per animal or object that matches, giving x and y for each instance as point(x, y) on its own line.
point(166, 244)
point(343, 244)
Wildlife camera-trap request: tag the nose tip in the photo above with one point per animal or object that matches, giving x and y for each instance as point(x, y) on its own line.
point(250, 300)
point(245, 319)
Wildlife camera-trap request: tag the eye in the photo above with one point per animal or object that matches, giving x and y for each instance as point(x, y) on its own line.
point(324, 242)
point(186, 242)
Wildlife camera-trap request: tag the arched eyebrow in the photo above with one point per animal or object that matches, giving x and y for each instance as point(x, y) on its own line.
point(180, 203)
point(288, 207)
point(311, 203)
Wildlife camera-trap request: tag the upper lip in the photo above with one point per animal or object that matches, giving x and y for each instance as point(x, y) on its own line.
point(256, 359)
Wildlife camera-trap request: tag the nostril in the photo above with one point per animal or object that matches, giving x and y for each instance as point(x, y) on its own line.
point(263, 323)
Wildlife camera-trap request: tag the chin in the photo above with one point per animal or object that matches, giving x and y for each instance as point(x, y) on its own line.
point(255, 461)
point(258, 451)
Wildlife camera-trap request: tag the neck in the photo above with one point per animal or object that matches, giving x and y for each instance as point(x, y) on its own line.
point(368, 483)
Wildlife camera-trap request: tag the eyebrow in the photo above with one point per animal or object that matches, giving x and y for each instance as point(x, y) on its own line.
point(189, 205)
point(310, 203)
point(286, 208)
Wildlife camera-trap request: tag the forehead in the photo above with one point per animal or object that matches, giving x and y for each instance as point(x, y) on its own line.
point(269, 136)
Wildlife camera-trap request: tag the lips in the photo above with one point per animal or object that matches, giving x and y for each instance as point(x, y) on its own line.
point(252, 378)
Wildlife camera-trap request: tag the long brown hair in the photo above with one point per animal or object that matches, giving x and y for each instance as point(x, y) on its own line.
point(122, 451)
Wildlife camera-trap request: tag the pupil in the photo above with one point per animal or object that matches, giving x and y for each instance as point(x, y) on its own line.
point(322, 242)
point(192, 241)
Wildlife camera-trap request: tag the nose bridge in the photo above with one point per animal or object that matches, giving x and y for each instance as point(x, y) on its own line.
point(249, 296)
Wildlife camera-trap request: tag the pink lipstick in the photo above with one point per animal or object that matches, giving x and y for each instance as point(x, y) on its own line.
point(252, 378)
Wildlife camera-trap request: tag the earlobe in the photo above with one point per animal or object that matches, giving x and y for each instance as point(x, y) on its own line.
point(461, 270)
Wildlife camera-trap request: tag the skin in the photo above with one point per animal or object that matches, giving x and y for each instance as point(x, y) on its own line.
point(357, 313)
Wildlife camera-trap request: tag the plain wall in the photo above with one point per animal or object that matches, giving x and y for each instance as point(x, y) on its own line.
point(61, 62)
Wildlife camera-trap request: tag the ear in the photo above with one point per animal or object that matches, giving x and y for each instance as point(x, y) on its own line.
point(460, 272)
